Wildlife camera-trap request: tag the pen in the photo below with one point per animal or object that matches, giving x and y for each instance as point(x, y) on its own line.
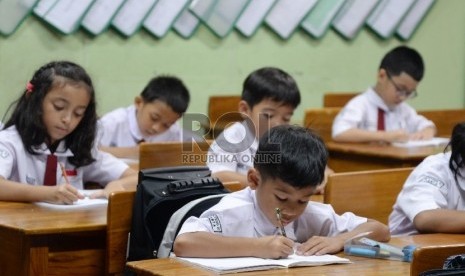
point(63, 171)
point(278, 217)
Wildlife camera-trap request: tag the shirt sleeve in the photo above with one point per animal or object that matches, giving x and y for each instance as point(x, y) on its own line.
point(351, 116)
point(106, 168)
point(416, 122)
point(7, 158)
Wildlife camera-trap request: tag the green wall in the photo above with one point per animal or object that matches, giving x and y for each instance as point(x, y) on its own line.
point(121, 67)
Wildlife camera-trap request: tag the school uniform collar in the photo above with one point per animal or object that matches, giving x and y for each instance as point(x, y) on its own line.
point(133, 126)
point(61, 150)
point(250, 138)
point(375, 99)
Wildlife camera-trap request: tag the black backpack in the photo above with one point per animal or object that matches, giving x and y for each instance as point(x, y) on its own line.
point(160, 193)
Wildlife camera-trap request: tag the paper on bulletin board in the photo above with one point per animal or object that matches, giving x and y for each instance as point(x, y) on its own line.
point(413, 18)
point(12, 14)
point(130, 16)
point(387, 15)
point(100, 14)
point(352, 16)
point(163, 15)
point(219, 16)
point(286, 16)
point(253, 15)
point(318, 20)
point(66, 15)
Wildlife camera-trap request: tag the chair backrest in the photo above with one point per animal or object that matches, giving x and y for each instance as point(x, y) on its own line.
point(433, 257)
point(221, 105)
point(337, 99)
point(119, 216)
point(169, 154)
point(368, 194)
point(321, 120)
point(444, 119)
point(233, 186)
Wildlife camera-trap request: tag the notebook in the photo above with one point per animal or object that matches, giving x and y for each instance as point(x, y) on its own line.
point(233, 265)
point(436, 141)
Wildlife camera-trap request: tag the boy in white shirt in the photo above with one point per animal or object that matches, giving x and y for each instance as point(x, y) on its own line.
point(289, 164)
point(380, 114)
point(432, 200)
point(152, 118)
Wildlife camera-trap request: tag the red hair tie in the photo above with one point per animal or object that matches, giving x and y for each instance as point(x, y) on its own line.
point(29, 87)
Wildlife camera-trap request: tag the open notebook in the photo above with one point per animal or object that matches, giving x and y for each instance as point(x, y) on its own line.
point(233, 265)
point(79, 203)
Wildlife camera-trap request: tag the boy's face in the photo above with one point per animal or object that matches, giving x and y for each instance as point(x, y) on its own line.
point(266, 114)
point(395, 89)
point(63, 108)
point(154, 117)
point(274, 193)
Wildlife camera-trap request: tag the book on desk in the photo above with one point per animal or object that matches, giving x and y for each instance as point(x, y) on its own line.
point(233, 265)
point(435, 141)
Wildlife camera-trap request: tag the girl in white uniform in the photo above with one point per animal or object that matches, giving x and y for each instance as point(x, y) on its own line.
point(433, 197)
point(52, 128)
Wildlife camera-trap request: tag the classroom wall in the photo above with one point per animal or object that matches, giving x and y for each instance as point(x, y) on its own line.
point(121, 67)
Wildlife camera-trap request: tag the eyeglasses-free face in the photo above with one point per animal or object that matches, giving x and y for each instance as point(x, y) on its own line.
point(402, 92)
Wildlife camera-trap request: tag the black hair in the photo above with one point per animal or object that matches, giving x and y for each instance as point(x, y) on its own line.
point(27, 113)
point(457, 145)
point(293, 154)
point(270, 83)
point(403, 59)
point(169, 90)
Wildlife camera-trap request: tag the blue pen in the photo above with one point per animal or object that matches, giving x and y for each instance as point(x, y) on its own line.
point(365, 251)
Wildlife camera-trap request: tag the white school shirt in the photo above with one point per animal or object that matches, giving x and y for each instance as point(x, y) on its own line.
point(119, 128)
point(430, 186)
point(362, 112)
point(18, 165)
point(238, 215)
point(233, 150)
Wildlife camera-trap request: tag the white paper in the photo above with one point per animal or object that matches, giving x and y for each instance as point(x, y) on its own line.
point(320, 17)
point(352, 16)
point(413, 18)
point(286, 15)
point(186, 23)
point(436, 141)
point(100, 14)
point(43, 7)
point(66, 15)
point(253, 15)
point(12, 13)
point(387, 15)
point(129, 18)
point(162, 16)
point(79, 203)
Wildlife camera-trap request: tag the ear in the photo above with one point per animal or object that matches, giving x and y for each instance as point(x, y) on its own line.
point(138, 101)
point(254, 178)
point(382, 75)
point(244, 109)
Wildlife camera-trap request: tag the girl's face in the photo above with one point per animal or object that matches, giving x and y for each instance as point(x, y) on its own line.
point(63, 108)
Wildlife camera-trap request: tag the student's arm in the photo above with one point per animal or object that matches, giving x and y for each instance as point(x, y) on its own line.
point(209, 245)
point(319, 245)
point(122, 152)
point(440, 221)
point(127, 182)
point(424, 134)
point(59, 194)
point(227, 176)
point(361, 136)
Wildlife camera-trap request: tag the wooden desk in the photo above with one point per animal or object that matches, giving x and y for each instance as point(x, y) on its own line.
point(346, 157)
point(36, 240)
point(360, 265)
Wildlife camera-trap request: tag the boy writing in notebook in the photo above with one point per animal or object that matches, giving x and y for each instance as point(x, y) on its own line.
point(288, 166)
point(269, 98)
point(152, 118)
point(380, 114)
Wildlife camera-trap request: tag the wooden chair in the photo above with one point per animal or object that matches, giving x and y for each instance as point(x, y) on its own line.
point(337, 99)
point(224, 107)
point(321, 120)
point(444, 119)
point(119, 216)
point(368, 194)
point(433, 257)
point(167, 154)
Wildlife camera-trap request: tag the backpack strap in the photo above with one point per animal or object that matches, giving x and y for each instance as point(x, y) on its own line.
point(172, 227)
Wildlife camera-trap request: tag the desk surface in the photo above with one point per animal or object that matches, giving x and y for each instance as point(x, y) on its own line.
point(360, 265)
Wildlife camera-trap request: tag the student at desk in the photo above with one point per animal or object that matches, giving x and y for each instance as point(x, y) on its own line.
point(432, 199)
point(269, 98)
point(152, 118)
point(380, 114)
point(246, 223)
point(49, 137)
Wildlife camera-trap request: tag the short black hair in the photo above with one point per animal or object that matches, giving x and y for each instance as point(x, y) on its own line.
point(270, 83)
point(169, 90)
point(293, 154)
point(403, 59)
point(457, 145)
